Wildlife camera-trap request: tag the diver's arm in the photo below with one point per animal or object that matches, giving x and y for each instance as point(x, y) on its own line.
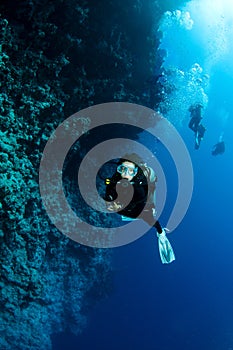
point(110, 192)
point(111, 196)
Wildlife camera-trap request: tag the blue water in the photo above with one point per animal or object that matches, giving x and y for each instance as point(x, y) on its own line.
point(189, 303)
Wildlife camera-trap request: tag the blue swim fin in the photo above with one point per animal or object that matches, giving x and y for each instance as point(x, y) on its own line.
point(165, 249)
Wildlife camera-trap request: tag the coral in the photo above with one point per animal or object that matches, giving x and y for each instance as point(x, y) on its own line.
point(37, 297)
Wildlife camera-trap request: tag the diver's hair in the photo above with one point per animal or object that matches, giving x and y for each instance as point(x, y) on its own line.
point(133, 158)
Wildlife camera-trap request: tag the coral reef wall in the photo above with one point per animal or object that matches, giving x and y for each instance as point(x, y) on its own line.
point(56, 58)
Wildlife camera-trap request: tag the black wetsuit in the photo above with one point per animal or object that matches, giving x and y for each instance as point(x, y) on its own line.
point(195, 125)
point(138, 206)
point(195, 118)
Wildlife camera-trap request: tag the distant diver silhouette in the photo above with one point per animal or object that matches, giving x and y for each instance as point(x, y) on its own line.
point(219, 147)
point(194, 124)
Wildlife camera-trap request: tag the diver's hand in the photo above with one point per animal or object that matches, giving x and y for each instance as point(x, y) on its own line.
point(114, 206)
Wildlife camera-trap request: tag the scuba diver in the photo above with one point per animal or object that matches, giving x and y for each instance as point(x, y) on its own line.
point(194, 124)
point(133, 174)
point(219, 148)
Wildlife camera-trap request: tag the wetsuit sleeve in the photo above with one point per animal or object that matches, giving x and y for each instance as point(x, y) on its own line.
point(137, 204)
point(110, 192)
point(140, 194)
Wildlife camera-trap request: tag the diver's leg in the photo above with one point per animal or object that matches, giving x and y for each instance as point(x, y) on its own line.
point(165, 249)
point(192, 125)
point(148, 217)
point(158, 227)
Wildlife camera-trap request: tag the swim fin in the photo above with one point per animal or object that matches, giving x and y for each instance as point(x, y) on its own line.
point(165, 249)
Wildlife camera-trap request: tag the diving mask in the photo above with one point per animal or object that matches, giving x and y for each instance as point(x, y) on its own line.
point(127, 170)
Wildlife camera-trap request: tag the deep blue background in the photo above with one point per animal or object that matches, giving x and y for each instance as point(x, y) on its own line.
point(188, 304)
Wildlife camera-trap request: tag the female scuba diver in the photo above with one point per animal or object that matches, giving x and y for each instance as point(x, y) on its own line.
point(132, 172)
